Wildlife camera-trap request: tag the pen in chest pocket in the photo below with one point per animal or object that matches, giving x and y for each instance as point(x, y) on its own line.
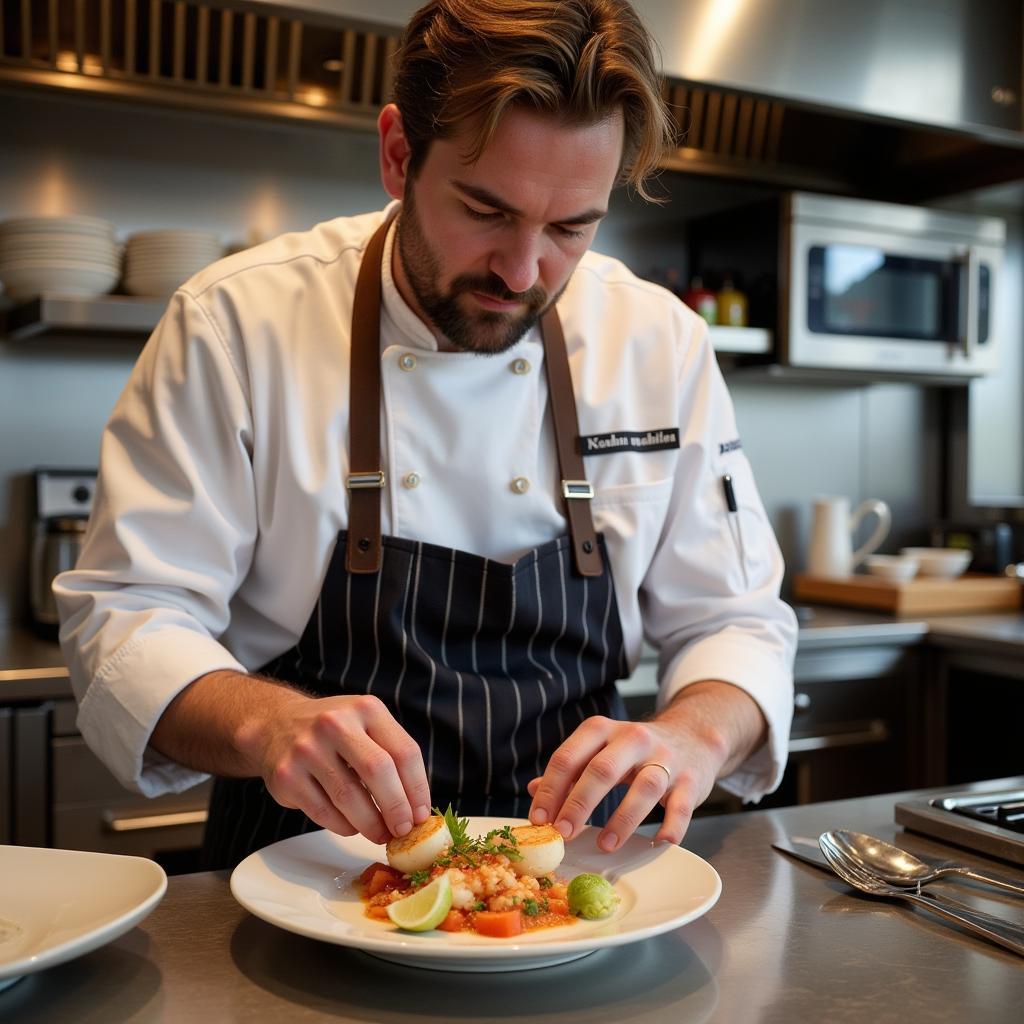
point(734, 516)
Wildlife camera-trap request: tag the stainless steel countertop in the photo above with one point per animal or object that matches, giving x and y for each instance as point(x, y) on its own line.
point(785, 942)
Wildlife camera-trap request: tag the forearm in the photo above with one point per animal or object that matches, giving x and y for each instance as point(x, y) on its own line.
point(727, 719)
point(214, 725)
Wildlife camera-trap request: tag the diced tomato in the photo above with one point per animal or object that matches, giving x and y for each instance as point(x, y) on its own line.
point(558, 907)
point(383, 879)
point(453, 922)
point(498, 924)
point(377, 913)
point(367, 874)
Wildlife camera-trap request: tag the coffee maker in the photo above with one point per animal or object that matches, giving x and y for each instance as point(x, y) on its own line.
point(63, 501)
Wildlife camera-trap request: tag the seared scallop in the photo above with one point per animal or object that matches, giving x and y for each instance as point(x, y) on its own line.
point(419, 848)
point(542, 849)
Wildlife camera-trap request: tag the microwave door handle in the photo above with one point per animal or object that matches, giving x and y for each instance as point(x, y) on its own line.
point(968, 328)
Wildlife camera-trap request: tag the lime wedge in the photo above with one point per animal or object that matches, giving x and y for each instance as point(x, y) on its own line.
point(424, 909)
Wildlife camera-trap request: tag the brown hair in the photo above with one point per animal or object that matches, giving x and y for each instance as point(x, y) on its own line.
point(467, 61)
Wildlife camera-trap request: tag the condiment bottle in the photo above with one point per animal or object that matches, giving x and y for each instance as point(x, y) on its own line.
point(732, 305)
point(701, 299)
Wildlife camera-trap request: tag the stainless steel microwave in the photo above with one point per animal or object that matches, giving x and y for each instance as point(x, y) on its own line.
point(862, 285)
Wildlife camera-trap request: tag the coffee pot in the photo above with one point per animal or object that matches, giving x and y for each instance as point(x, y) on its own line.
point(833, 530)
point(63, 501)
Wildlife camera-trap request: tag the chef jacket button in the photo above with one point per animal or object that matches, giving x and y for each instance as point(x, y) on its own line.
point(407, 362)
point(520, 485)
point(411, 480)
point(520, 366)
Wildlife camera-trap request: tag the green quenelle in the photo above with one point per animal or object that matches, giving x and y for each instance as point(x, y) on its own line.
point(591, 897)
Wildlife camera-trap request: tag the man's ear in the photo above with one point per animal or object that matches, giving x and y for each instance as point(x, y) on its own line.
point(394, 151)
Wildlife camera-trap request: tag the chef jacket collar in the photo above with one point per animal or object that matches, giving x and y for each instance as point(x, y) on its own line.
point(404, 326)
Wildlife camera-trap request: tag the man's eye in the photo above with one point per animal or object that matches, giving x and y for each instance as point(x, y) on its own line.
point(479, 214)
point(570, 233)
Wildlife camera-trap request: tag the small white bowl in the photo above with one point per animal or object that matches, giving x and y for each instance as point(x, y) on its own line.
point(898, 568)
point(946, 563)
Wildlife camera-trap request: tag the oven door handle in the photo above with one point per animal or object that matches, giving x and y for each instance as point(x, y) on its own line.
point(114, 822)
point(967, 329)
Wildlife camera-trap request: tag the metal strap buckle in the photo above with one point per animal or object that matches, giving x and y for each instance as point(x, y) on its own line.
point(364, 481)
point(582, 489)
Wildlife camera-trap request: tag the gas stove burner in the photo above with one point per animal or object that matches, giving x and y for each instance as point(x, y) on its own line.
point(987, 817)
point(1003, 809)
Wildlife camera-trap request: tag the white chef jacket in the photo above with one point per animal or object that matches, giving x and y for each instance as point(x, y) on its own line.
point(223, 468)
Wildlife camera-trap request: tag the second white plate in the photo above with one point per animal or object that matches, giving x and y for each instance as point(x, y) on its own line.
point(305, 885)
point(59, 904)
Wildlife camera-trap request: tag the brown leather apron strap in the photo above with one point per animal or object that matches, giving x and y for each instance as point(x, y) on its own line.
point(576, 490)
point(366, 478)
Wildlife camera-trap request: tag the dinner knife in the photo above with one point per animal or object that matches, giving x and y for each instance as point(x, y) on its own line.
point(806, 849)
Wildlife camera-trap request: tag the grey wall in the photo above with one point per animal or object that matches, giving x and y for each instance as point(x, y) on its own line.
point(145, 168)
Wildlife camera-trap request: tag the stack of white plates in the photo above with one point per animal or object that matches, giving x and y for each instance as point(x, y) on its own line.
point(157, 262)
point(68, 255)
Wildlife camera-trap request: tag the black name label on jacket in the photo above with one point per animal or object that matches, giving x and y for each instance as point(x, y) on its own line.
point(630, 441)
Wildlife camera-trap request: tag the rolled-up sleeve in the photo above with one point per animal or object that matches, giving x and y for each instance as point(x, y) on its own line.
point(170, 537)
point(710, 598)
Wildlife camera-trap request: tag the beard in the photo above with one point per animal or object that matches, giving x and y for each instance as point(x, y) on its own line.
point(451, 311)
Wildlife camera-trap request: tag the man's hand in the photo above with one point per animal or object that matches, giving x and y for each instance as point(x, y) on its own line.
point(343, 761)
point(705, 733)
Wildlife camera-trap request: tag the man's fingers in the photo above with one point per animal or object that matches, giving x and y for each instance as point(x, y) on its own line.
point(385, 760)
point(344, 788)
point(555, 787)
point(405, 800)
point(649, 785)
point(678, 811)
point(308, 796)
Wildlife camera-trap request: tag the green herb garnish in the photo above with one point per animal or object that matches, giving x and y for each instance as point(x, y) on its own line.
point(479, 906)
point(498, 840)
point(531, 908)
point(456, 826)
point(501, 840)
point(418, 878)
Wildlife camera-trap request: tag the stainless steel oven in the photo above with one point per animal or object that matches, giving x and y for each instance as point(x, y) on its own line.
point(859, 285)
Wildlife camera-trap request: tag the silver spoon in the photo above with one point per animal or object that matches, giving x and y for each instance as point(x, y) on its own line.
point(898, 867)
point(1003, 933)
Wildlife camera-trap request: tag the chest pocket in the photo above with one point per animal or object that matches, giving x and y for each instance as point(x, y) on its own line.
point(633, 513)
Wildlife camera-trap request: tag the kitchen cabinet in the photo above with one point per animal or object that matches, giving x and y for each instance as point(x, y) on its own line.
point(854, 729)
point(977, 698)
point(55, 792)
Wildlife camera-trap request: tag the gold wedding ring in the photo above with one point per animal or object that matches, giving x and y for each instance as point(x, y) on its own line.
point(658, 764)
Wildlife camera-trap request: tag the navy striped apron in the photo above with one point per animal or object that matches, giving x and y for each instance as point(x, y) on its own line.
point(489, 666)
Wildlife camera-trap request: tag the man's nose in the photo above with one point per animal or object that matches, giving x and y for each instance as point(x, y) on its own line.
point(517, 261)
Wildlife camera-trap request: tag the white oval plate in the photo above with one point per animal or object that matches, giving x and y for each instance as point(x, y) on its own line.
point(58, 904)
point(305, 885)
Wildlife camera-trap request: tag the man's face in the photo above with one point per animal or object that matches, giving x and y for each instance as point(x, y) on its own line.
point(484, 248)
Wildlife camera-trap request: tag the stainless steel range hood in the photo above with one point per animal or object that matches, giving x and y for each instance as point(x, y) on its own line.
point(947, 63)
point(906, 100)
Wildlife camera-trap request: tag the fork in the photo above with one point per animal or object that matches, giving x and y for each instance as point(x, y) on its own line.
point(1003, 933)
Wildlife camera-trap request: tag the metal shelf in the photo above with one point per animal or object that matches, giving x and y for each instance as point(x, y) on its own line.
point(60, 316)
point(756, 341)
point(114, 317)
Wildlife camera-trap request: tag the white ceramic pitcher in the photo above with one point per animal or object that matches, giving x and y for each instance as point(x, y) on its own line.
point(832, 533)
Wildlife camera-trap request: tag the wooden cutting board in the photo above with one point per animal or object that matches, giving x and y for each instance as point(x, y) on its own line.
point(925, 595)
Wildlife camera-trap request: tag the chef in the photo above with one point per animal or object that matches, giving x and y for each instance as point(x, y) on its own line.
point(388, 506)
